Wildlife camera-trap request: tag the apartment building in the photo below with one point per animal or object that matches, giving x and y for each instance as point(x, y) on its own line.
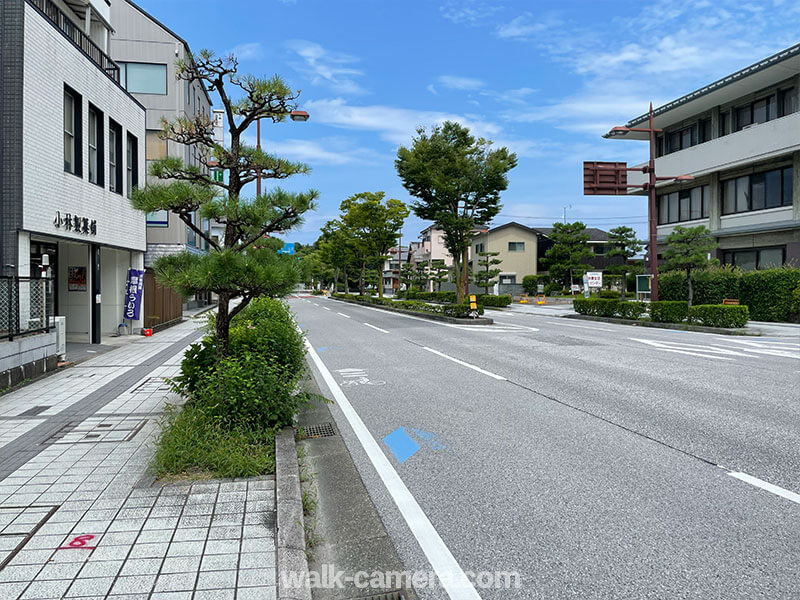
point(739, 137)
point(72, 150)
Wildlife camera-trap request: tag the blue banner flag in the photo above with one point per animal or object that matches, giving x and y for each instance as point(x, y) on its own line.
point(133, 294)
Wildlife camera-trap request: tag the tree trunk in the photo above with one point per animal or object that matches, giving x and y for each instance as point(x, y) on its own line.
point(223, 326)
point(336, 279)
point(380, 284)
point(459, 279)
point(466, 273)
point(691, 290)
point(346, 282)
point(624, 284)
point(362, 288)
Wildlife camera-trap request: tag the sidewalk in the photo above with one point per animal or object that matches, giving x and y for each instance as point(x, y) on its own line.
point(79, 518)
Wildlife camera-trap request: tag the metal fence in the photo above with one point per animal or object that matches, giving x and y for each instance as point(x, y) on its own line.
point(26, 305)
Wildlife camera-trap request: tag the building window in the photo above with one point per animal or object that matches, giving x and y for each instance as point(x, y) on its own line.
point(723, 124)
point(155, 147)
point(760, 111)
point(479, 248)
point(143, 78)
point(704, 130)
point(770, 189)
point(158, 218)
point(506, 279)
point(132, 163)
point(787, 102)
point(599, 249)
point(96, 136)
point(755, 258)
point(73, 162)
point(516, 246)
point(114, 157)
point(684, 205)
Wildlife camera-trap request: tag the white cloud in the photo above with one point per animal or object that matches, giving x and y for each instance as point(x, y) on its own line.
point(322, 152)
point(454, 82)
point(469, 12)
point(325, 67)
point(524, 27)
point(432, 89)
point(248, 51)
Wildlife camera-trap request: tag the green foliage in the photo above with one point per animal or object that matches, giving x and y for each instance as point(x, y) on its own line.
point(564, 258)
point(711, 286)
point(198, 359)
point(609, 294)
point(769, 293)
point(687, 249)
point(450, 310)
point(530, 283)
point(486, 276)
point(193, 443)
point(666, 311)
point(719, 315)
point(631, 310)
point(492, 300)
point(609, 307)
point(439, 273)
point(795, 308)
point(444, 297)
point(457, 181)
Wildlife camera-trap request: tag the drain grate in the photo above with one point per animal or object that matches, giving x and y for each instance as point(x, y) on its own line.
point(395, 595)
point(18, 524)
point(80, 375)
point(318, 431)
point(33, 411)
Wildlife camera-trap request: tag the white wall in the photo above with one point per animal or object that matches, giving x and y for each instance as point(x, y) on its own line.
point(74, 306)
point(50, 62)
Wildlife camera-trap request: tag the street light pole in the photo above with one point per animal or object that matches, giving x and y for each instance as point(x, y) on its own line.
point(651, 212)
point(295, 115)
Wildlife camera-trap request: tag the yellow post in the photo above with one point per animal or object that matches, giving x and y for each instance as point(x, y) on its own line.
point(473, 302)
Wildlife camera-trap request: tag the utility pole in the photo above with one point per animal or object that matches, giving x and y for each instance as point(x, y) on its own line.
point(565, 213)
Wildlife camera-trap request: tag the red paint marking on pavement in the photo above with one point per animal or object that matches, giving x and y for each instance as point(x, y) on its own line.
point(79, 542)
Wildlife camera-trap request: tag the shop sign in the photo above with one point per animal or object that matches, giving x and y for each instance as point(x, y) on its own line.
point(75, 223)
point(133, 294)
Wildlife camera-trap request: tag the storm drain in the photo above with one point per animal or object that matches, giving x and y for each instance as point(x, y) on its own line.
point(318, 431)
point(150, 385)
point(18, 524)
point(80, 375)
point(33, 411)
point(97, 429)
point(396, 595)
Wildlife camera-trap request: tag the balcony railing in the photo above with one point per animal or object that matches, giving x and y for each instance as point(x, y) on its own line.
point(64, 24)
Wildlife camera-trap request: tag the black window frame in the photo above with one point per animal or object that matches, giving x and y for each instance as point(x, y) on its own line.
point(99, 167)
point(729, 256)
point(787, 96)
point(115, 176)
point(673, 205)
point(761, 176)
point(517, 243)
point(131, 163)
point(123, 76)
point(77, 134)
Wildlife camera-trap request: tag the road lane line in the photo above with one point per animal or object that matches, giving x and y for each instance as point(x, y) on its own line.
point(465, 364)
point(326, 308)
point(765, 485)
point(453, 579)
point(578, 326)
point(344, 315)
point(376, 328)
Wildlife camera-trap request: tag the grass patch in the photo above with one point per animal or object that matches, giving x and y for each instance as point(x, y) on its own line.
point(195, 446)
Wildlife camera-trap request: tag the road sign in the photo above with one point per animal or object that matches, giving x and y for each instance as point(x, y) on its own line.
point(594, 279)
point(605, 178)
point(473, 302)
point(288, 248)
point(219, 175)
point(643, 284)
point(540, 288)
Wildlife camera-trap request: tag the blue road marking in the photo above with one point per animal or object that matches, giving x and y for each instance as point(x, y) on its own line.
point(430, 439)
point(322, 349)
point(401, 444)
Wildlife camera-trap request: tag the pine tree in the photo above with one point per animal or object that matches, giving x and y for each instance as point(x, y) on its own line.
point(486, 277)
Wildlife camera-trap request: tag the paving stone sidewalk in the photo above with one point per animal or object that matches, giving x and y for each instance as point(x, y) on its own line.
point(79, 517)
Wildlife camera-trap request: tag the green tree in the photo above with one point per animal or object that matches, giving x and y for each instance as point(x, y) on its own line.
point(374, 227)
point(439, 273)
point(486, 277)
point(408, 275)
point(336, 250)
point(625, 244)
point(687, 250)
point(564, 258)
point(457, 181)
point(422, 275)
point(240, 268)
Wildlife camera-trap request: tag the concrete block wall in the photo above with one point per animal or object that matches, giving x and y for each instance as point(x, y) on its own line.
point(27, 357)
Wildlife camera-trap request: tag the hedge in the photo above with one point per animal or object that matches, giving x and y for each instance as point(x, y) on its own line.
point(609, 294)
point(718, 315)
point(448, 297)
point(710, 286)
point(530, 283)
point(666, 311)
point(631, 310)
point(598, 307)
point(492, 300)
point(460, 311)
point(768, 293)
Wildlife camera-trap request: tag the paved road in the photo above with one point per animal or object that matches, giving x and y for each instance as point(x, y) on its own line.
point(597, 460)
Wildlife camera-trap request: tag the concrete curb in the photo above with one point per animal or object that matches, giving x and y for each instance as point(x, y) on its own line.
point(290, 543)
point(679, 326)
point(422, 315)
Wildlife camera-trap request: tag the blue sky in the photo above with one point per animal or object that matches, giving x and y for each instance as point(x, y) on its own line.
point(546, 79)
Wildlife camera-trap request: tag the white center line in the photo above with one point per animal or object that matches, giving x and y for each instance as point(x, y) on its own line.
point(343, 315)
point(454, 580)
point(765, 485)
point(376, 328)
point(465, 364)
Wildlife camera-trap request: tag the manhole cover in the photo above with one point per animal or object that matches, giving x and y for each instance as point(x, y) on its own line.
point(150, 385)
point(318, 431)
point(17, 526)
point(97, 429)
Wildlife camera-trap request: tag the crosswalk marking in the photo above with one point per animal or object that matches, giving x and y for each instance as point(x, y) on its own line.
point(727, 350)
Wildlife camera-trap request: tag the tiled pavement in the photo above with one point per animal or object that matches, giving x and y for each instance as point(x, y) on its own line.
point(80, 519)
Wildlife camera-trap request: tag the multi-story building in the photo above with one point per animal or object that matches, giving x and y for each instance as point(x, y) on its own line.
point(433, 245)
point(521, 248)
point(146, 52)
point(72, 150)
point(739, 137)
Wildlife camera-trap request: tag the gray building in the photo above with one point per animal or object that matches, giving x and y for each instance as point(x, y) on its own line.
point(146, 52)
point(71, 150)
point(740, 139)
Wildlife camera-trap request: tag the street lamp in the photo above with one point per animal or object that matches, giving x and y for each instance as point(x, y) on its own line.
point(592, 171)
point(295, 115)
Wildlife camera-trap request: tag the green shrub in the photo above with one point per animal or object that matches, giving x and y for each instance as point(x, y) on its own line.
point(631, 310)
point(341, 296)
point(445, 297)
point(583, 306)
point(768, 293)
point(198, 359)
point(598, 307)
point(549, 288)
point(492, 300)
point(193, 443)
point(710, 286)
point(669, 311)
point(530, 283)
point(609, 294)
point(795, 309)
point(400, 294)
point(719, 315)
point(450, 310)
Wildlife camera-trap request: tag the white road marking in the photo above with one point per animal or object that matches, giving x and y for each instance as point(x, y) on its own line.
point(315, 304)
point(693, 349)
point(515, 326)
point(464, 364)
point(579, 326)
point(326, 308)
point(765, 485)
point(343, 315)
point(454, 580)
point(376, 328)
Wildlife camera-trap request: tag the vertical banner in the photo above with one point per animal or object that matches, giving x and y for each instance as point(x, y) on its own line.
point(133, 294)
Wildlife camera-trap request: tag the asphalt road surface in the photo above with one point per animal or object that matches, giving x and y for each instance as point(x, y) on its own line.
point(594, 460)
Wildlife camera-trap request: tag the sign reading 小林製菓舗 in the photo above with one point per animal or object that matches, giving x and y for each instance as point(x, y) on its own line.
point(133, 294)
point(75, 223)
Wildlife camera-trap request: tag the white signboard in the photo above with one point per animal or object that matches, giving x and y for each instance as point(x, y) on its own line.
point(218, 122)
point(594, 279)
